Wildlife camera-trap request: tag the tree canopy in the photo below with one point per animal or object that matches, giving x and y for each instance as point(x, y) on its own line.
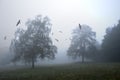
point(82, 40)
point(111, 44)
point(34, 42)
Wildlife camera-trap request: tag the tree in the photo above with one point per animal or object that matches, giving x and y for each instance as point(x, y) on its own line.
point(34, 42)
point(92, 52)
point(82, 40)
point(111, 44)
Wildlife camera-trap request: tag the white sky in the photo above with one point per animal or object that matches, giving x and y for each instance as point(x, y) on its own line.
point(64, 14)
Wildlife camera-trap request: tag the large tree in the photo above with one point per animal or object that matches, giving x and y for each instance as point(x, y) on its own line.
point(33, 42)
point(82, 39)
point(111, 44)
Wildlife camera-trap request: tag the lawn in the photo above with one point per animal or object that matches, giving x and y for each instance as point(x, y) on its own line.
point(74, 71)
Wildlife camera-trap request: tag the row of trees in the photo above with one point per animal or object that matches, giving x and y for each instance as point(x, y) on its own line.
point(35, 43)
point(111, 46)
point(84, 44)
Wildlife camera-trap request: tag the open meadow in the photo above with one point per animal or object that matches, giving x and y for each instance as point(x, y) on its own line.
point(74, 71)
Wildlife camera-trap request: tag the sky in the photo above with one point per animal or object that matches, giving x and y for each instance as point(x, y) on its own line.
point(65, 16)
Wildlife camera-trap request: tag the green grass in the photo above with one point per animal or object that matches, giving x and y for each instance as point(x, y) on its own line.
point(76, 71)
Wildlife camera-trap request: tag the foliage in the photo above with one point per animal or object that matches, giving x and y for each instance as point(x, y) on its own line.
point(34, 42)
point(111, 44)
point(83, 39)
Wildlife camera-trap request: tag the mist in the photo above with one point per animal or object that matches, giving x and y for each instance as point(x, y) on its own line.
point(64, 15)
point(59, 40)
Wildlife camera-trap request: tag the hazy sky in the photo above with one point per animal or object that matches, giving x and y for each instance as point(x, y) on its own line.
point(64, 14)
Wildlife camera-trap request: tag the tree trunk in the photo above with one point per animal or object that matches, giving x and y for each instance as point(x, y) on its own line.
point(33, 63)
point(83, 53)
point(82, 57)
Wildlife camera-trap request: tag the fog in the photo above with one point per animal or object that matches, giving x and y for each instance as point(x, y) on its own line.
point(65, 16)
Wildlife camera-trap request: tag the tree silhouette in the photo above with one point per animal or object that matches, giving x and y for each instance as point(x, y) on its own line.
point(34, 42)
point(82, 39)
point(111, 44)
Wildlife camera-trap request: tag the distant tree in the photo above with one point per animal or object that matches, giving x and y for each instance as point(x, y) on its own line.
point(34, 42)
point(111, 44)
point(83, 39)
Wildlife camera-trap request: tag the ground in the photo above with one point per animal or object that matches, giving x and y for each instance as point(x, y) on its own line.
point(74, 71)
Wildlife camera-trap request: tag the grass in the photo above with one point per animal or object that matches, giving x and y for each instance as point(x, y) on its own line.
point(75, 71)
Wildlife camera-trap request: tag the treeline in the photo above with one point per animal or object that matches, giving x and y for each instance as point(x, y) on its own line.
point(84, 44)
point(34, 43)
point(110, 48)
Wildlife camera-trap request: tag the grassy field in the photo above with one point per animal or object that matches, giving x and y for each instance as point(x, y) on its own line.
point(75, 71)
